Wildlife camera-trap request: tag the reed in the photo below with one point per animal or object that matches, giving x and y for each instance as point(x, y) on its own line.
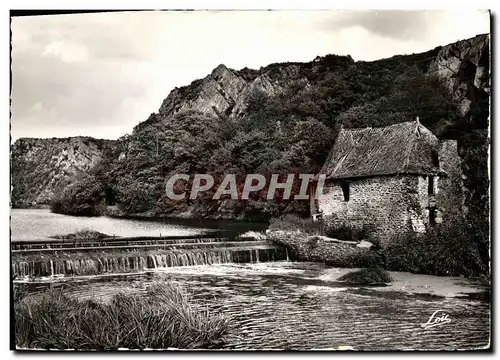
point(164, 317)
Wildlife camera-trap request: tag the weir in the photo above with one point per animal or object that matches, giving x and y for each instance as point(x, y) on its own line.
point(112, 241)
point(78, 261)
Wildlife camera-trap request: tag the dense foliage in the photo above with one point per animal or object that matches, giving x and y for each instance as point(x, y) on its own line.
point(448, 249)
point(292, 222)
point(444, 250)
point(83, 197)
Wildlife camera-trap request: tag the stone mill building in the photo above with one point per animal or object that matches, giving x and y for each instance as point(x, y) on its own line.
point(389, 181)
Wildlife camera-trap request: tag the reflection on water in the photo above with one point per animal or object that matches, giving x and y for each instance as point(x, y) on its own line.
point(285, 305)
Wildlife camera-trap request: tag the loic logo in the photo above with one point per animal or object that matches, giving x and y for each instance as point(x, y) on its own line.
point(438, 317)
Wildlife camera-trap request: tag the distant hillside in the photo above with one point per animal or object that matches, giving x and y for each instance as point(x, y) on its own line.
point(39, 167)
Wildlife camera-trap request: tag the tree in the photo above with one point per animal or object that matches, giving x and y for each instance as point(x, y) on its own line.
point(84, 197)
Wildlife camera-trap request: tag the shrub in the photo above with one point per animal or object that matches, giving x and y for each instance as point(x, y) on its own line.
point(367, 276)
point(312, 242)
point(444, 250)
point(348, 233)
point(163, 317)
point(291, 222)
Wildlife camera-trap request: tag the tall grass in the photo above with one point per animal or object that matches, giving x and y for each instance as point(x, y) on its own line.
point(163, 317)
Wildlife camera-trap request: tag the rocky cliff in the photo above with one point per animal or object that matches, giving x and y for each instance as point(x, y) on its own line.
point(40, 167)
point(463, 67)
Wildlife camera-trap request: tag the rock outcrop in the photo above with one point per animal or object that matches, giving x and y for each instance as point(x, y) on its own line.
point(463, 67)
point(39, 167)
point(223, 93)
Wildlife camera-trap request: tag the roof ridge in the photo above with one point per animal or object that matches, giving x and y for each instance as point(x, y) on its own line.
point(392, 149)
point(379, 127)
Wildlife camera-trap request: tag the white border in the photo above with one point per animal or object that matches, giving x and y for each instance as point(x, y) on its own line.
point(166, 4)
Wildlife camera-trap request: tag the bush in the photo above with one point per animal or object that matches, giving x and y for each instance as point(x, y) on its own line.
point(291, 222)
point(312, 242)
point(163, 317)
point(444, 250)
point(347, 233)
point(367, 276)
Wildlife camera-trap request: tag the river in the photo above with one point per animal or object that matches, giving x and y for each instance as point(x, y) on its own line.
point(299, 305)
point(31, 224)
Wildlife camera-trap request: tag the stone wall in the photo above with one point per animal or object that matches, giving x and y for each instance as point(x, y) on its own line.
point(450, 199)
point(385, 206)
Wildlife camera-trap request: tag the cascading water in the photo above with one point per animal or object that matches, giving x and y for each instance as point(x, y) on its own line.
point(127, 262)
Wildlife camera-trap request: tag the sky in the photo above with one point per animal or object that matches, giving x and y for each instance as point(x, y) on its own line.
point(101, 74)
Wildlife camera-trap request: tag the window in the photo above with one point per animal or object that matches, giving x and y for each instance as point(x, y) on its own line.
point(430, 188)
point(345, 190)
point(435, 159)
point(432, 216)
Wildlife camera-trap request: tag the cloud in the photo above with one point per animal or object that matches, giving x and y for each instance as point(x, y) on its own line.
point(397, 24)
point(66, 51)
point(415, 25)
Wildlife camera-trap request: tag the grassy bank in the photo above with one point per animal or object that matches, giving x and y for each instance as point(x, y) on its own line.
point(162, 318)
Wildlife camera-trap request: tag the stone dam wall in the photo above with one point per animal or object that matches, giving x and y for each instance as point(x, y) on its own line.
point(47, 262)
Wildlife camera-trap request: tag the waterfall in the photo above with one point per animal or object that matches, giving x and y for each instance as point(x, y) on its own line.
point(81, 263)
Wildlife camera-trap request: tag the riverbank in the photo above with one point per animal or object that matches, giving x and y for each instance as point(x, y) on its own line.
point(188, 215)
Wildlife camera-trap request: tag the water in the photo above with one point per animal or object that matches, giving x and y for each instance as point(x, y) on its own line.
point(299, 306)
point(30, 224)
